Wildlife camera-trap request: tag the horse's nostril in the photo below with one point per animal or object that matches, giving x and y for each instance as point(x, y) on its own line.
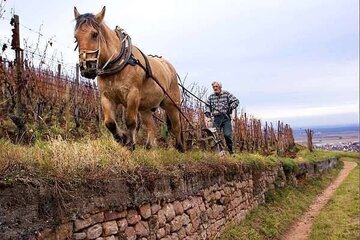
point(91, 64)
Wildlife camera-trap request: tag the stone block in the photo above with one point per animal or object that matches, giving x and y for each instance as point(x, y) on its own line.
point(181, 233)
point(110, 228)
point(161, 218)
point(145, 211)
point(176, 224)
point(178, 208)
point(169, 212)
point(133, 217)
point(114, 215)
point(130, 233)
point(110, 238)
point(83, 223)
point(79, 236)
point(155, 208)
point(160, 233)
point(142, 229)
point(122, 224)
point(186, 204)
point(94, 232)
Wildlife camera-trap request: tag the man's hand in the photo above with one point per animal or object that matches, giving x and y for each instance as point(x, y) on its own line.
point(207, 114)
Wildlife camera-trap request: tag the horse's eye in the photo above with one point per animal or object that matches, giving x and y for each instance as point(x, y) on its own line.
point(94, 35)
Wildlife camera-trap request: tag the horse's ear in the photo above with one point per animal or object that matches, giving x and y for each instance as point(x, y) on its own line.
point(100, 16)
point(76, 13)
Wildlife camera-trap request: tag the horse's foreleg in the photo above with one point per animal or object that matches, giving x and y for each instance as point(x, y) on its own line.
point(149, 123)
point(133, 101)
point(110, 120)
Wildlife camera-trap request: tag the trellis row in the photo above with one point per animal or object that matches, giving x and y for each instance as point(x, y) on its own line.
point(49, 97)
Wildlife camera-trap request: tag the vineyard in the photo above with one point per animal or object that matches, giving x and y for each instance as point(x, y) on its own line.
point(39, 103)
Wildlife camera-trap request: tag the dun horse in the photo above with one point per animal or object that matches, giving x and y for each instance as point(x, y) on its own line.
point(127, 77)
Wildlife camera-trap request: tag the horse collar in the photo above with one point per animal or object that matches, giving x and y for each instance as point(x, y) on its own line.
point(118, 63)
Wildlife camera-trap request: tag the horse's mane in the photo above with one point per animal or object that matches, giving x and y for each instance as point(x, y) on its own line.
point(89, 18)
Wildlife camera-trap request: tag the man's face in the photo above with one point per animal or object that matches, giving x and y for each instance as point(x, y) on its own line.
point(216, 88)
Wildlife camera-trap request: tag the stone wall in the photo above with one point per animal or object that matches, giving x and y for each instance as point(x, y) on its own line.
point(181, 204)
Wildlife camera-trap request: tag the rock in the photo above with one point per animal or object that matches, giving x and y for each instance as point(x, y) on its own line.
point(145, 211)
point(178, 208)
point(113, 215)
point(79, 236)
point(169, 212)
point(160, 233)
point(186, 204)
point(161, 218)
point(83, 223)
point(142, 229)
point(110, 228)
point(130, 233)
point(94, 231)
point(176, 224)
point(155, 208)
point(133, 217)
point(122, 224)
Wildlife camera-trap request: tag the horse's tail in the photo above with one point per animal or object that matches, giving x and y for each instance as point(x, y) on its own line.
point(168, 123)
point(169, 126)
point(182, 132)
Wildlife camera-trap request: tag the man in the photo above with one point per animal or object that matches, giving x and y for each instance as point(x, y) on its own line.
point(220, 104)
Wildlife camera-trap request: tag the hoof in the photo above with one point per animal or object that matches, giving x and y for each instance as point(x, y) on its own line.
point(123, 139)
point(180, 148)
point(130, 146)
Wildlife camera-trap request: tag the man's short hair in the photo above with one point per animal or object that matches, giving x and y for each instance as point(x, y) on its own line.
point(216, 82)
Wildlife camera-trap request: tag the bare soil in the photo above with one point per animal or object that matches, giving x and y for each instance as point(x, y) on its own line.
point(301, 229)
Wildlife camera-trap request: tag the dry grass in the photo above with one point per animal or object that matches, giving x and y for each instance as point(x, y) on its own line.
point(104, 157)
point(87, 158)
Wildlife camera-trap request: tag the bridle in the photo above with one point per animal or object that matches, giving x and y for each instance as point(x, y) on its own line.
point(90, 66)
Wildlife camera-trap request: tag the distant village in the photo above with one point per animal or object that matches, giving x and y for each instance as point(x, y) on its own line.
point(348, 147)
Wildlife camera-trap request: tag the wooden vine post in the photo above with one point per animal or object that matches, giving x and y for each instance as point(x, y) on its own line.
point(310, 134)
point(18, 117)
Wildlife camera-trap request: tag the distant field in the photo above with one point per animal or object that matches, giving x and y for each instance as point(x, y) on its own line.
point(323, 135)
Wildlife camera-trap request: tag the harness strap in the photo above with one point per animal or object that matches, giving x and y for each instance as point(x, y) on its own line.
point(147, 68)
point(118, 63)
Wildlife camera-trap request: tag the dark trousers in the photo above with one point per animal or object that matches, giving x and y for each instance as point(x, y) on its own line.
point(223, 122)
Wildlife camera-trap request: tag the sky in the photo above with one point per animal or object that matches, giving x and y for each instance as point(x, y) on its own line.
point(289, 60)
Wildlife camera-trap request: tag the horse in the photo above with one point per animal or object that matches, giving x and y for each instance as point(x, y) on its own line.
point(126, 76)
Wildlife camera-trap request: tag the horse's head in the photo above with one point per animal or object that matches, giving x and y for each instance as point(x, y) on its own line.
point(88, 37)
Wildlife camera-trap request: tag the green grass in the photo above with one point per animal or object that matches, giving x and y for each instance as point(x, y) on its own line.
point(282, 207)
point(340, 219)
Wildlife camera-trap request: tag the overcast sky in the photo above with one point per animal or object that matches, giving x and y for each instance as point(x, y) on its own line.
point(290, 60)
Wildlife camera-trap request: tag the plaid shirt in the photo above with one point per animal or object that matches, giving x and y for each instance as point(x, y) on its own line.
point(221, 104)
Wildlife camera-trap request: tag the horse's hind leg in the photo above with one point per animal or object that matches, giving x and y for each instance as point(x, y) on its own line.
point(174, 117)
point(149, 123)
point(110, 121)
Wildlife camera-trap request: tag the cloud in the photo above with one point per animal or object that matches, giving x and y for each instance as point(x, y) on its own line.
point(279, 113)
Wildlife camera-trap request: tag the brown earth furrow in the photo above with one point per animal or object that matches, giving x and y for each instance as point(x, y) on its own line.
point(301, 229)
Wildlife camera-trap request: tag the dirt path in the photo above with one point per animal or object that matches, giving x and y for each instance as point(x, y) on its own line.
point(301, 229)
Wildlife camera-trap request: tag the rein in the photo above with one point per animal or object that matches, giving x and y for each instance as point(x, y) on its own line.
point(150, 75)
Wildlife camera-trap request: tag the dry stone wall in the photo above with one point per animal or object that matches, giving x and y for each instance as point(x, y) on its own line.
point(191, 205)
